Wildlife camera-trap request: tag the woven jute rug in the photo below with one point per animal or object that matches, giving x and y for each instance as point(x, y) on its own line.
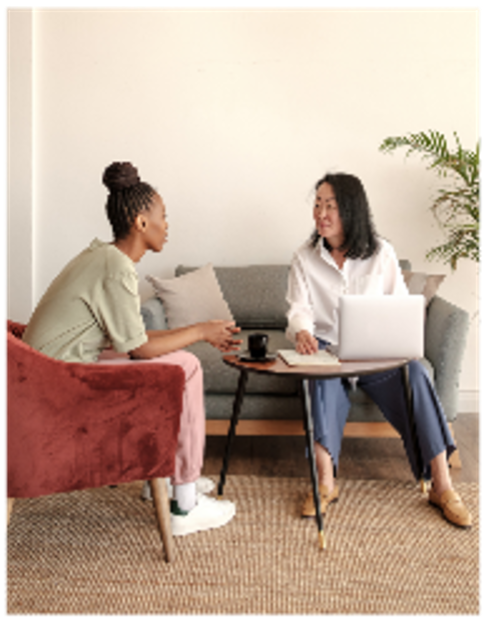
point(388, 552)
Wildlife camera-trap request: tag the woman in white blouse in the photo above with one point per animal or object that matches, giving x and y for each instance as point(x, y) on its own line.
point(345, 256)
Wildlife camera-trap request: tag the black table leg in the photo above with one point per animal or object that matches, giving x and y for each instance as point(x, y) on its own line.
point(413, 428)
point(241, 389)
point(308, 426)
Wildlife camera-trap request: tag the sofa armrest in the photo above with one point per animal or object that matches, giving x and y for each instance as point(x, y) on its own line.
point(153, 315)
point(445, 341)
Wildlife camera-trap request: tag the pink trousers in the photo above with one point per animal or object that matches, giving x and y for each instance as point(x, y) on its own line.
point(191, 440)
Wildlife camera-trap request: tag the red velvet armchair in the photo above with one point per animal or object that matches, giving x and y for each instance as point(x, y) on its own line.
point(75, 426)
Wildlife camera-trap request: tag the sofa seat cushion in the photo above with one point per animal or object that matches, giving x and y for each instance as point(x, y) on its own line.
point(220, 378)
point(254, 406)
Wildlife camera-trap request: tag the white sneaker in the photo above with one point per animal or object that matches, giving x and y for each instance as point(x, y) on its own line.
point(208, 513)
point(204, 485)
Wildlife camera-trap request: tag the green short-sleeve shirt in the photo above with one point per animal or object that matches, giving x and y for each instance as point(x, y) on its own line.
point(92, 304)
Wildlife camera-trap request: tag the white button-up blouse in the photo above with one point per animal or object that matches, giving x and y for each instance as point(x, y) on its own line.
point(316, 282)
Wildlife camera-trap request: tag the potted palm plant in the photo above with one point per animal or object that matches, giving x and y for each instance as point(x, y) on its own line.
point(457, 208)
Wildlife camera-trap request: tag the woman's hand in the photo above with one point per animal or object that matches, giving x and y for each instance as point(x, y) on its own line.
point(219, 334)
point(305, 343)
point(216, 332)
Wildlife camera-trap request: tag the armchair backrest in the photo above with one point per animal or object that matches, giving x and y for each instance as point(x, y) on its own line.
point(75, 426)
point(16, 329)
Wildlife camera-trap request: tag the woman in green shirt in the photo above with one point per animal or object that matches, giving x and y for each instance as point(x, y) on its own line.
point(94, 304)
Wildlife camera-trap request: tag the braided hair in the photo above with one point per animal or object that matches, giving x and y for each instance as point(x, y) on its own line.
point(127, 198)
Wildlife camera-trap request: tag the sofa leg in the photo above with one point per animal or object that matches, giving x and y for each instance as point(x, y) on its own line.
point(7, 511)
point(161, 503)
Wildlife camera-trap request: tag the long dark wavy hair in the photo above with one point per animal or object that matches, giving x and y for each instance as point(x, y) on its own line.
point(360, 238)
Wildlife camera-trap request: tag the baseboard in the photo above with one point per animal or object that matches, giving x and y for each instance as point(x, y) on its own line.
point(468, 402)
point(257, 427)
point(294, 427)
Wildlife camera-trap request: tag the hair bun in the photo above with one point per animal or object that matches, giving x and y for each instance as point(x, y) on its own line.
point(120, 175)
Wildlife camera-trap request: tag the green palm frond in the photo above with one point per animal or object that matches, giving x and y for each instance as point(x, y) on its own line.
point(433, 147)
point(457, 209)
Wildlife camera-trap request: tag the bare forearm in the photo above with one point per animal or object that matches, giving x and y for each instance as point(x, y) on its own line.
point(160, 333)
point(218, 333)
point(166, 341)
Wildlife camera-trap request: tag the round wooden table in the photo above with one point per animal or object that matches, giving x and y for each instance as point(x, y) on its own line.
point(304, 374)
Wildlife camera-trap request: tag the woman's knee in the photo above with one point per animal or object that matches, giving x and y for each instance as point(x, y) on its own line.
point(190, 364)
point(186, 360)
point(417, 371)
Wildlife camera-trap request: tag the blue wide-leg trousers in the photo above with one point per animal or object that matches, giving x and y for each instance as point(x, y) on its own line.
point(330, 406)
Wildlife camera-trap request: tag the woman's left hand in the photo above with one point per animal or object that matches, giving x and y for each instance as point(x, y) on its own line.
point(219, 334)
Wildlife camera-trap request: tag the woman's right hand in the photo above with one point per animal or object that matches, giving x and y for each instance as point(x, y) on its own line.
point(305, 343)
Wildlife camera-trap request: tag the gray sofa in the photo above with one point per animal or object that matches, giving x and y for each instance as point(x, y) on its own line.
point(256, 297)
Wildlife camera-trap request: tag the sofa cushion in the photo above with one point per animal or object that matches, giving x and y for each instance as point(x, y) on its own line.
point(191, 298)
point(254, 406)
point(153, 315)
point(422, 283)
point(255, 294)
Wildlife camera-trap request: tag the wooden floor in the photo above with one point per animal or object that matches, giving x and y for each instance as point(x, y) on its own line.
point(360, 458)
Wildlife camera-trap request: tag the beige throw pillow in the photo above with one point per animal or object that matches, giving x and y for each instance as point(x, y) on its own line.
point(422, 283)
point(191, 298)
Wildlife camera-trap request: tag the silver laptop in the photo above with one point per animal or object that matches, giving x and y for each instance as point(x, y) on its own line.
point(381, 327)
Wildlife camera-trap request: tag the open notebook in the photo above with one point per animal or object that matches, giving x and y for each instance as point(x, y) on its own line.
point(321, 358)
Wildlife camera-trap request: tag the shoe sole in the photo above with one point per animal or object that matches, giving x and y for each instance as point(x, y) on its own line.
point(189, 530)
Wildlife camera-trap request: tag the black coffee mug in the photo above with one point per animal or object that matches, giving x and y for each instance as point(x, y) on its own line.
point(257, 345)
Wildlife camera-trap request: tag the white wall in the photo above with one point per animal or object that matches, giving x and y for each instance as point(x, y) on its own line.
point(20, 281)
point(234, 115)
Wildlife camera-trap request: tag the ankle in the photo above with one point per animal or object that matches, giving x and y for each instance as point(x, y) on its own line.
point(185, 496)
point(327, 482)
point(440, 487)
point(441, 480)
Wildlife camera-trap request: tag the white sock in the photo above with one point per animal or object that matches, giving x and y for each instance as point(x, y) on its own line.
point(185, 495)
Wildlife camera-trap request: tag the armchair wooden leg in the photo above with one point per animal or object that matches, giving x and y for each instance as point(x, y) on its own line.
point(7, 511)
point(161, 503)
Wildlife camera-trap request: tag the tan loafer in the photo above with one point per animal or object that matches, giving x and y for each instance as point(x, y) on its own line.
point(452, 507)
point(326, 497)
